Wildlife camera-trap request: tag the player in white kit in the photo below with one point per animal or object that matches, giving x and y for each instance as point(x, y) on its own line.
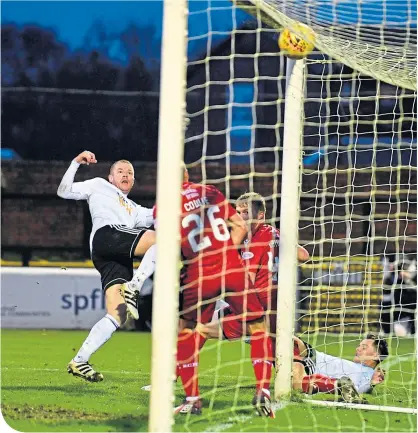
point(315, 371)
point(119, 234)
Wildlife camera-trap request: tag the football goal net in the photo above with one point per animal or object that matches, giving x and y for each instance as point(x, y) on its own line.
point(329, 141)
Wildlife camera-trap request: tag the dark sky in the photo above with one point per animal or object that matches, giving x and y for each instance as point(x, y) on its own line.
point(72, 19)
point(215, 18)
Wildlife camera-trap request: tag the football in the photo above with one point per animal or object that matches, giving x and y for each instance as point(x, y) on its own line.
point(297, 45)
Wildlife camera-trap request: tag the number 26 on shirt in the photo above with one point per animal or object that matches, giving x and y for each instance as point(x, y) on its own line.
point(217, 225)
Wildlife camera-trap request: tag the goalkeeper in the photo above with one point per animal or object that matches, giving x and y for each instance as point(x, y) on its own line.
point(314, 371)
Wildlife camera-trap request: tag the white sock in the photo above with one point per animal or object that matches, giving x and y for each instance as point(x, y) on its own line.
point(99, 334)
point(147, 266)
point(192, 399)
point(266, 391)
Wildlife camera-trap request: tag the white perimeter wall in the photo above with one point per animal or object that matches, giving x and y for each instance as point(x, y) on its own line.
point(50, 298)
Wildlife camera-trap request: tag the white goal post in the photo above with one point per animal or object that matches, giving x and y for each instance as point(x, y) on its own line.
point(289, 219)
point(170, 156)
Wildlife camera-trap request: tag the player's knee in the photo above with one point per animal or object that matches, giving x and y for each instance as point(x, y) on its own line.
point(208, 331)
point(147, 240)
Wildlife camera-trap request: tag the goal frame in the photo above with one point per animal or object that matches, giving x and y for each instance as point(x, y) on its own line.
point(172, 111)
point(169, 180)
point(289, 222)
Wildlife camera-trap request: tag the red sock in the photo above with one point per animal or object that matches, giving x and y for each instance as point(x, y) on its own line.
point(201, 342)
point(188, 345)
point(319, 383)
point(261, 355)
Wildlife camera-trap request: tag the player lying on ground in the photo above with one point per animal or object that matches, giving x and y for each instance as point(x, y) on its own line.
point(118, 235)
point(212, 267)
point(315, 371)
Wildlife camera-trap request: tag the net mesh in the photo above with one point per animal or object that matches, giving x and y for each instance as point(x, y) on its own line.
point(376, 37)
point(358, 218)
point(358, 195)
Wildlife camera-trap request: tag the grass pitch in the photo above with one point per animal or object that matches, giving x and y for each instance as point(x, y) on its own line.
point(39, 395)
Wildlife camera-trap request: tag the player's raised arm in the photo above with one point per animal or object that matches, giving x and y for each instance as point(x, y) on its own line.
point(78, 190)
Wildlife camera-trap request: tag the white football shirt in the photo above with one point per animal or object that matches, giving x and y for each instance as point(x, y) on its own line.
point(108, 204)
point(336, 368)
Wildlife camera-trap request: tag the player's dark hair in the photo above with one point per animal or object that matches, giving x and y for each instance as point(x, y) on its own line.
point(381, 346)
point(257, 202)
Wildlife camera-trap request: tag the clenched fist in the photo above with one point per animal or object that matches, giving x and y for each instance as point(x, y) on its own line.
point(86, 157)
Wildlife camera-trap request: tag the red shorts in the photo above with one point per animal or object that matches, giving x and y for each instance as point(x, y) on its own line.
point(233, 329)
point(199, 295)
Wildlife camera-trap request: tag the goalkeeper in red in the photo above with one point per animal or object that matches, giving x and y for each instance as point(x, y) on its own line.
point(211, 230)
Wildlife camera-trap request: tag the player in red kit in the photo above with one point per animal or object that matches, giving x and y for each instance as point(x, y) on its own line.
point(211, 230)
point(260, 256)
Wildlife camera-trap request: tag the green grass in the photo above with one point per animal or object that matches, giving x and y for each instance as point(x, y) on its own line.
point(39, 395)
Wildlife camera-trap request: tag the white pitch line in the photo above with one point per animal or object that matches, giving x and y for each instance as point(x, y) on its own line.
point(362, 406)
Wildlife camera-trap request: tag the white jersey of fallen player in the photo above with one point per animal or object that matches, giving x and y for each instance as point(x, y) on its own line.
point(108, 204)
point(336, 368)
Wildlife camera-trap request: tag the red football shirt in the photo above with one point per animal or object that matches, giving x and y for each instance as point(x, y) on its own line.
point(205, 240)
point(261, 255)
